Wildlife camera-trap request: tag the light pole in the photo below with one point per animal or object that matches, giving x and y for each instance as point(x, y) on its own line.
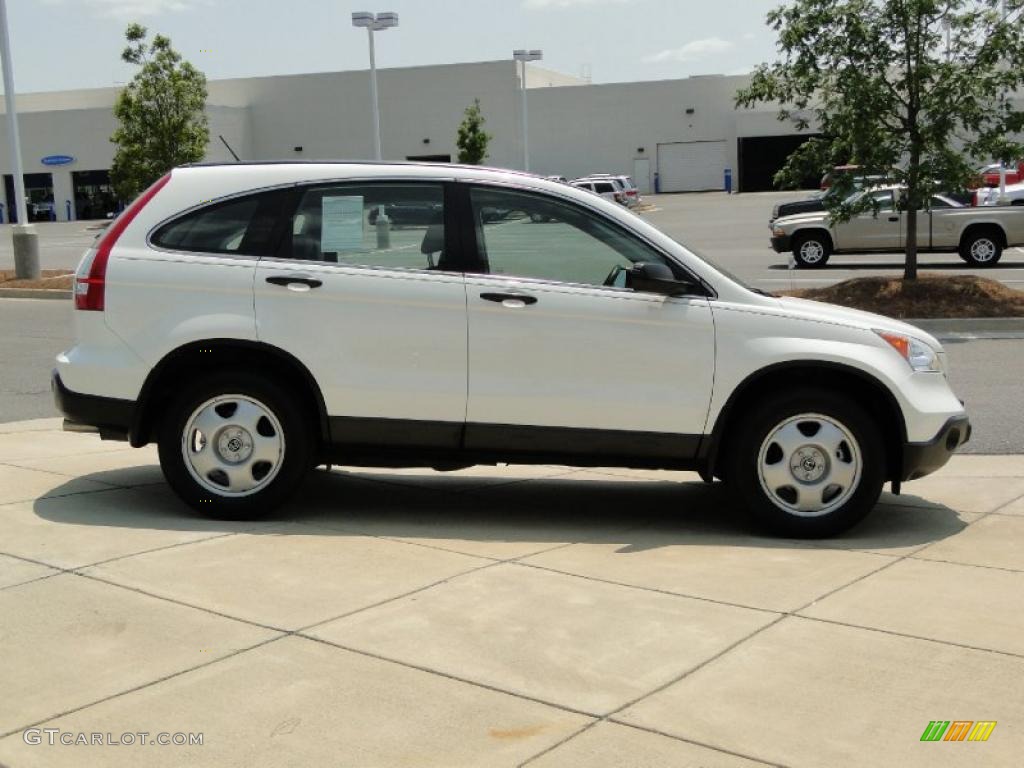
point(374, 23)
point(26, 243)
point(1002, 164)
point(523, 55)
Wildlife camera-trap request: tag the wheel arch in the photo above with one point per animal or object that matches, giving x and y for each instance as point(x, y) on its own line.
point(218, 354)
point(866, 389)
point(983, 226)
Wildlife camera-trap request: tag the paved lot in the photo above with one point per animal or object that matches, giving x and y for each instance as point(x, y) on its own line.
point(731, 229)
point(500, 616)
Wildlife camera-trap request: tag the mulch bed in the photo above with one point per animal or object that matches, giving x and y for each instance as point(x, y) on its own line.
point(55, 279)
point(930, 296)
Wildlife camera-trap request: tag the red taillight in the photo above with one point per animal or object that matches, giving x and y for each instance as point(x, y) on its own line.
point(90, 284)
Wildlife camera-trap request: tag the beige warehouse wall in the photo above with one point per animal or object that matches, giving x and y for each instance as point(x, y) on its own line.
point(328, 113)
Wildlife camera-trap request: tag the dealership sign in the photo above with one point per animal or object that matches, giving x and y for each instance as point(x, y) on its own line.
point(57, 160)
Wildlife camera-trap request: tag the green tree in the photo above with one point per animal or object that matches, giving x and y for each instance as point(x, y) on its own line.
point(919, 91)
point(160, 114)
point(473, 139)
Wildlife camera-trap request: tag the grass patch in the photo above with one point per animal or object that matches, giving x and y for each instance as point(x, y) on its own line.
point(930, 296)
point(55, 279)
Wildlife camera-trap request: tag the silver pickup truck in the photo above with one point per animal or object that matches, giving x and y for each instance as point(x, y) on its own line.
point(979, 235)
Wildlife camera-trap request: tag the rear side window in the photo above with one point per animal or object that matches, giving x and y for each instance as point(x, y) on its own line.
point(604, 187)
point(242, 225)
point(388, 225)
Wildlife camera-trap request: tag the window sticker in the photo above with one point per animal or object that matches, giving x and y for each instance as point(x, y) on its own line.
point(341, 226)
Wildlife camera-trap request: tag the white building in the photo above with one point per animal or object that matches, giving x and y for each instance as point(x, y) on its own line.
point(681, 134)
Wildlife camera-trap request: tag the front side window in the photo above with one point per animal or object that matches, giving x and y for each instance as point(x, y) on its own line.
point(526, 235)
point(398, 226)
point(242, 225)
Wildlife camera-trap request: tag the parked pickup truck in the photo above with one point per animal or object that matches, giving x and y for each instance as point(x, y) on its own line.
point(979, 235)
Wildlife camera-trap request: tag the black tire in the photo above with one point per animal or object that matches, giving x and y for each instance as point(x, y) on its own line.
point(857, 497)
point(812, 249)
point(981, 248)
point(294, 458)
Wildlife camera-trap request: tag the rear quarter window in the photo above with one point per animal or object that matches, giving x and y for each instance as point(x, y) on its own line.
point(242, 225)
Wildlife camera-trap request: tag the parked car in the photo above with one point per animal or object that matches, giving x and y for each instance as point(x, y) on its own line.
point(560, 179)
point(979, 236)
point(990, 196)
point(988, 175)
point(627, 185)
point(594, 341)
point(402, 214)
point(818, 201)
point(606, 188)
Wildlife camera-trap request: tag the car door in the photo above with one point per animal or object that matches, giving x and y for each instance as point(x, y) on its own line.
point(872, 230)
point(374, 308)
point(942, 225)
point(563, 357)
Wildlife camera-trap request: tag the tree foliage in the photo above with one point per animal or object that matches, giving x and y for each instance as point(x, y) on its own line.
point(160, 114)
point(472, 140)
point(919, 91)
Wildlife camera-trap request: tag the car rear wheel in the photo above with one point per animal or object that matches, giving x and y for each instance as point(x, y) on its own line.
point(235, 446)
point(808, 464)
point(982, 249)
point(812, 250)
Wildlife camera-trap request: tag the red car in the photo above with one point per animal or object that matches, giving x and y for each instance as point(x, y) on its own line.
point(990, 174)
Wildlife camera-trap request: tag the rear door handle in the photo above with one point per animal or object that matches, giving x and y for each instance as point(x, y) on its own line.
point(894, 218)
point(288, 280)
point(509, 299)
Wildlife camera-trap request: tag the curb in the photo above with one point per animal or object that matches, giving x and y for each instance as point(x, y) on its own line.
point(972, 327)
point(34, 293)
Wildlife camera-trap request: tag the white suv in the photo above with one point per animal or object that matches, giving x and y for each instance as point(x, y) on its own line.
point(258, 320)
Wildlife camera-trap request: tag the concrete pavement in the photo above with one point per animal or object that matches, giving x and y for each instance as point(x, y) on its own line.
point(500, 616)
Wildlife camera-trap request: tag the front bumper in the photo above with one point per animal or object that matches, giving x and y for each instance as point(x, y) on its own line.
point(920, 459)
point(782, 243)
point(111, 417)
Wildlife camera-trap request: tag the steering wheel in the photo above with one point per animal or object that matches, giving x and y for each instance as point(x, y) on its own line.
point(614, 275)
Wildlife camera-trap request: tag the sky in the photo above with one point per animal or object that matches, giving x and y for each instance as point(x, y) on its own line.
point(70, 44)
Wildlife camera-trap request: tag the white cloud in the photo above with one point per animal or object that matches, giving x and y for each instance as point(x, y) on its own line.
point(692, 51)
point(543, 4)
point(131, 10)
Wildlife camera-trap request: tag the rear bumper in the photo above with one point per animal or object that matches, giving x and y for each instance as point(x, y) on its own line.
point(920, 459)
point(111, 417)
point(782, 243)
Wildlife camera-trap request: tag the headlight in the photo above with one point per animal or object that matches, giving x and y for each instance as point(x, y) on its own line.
point(919, 356)
point(779, 232)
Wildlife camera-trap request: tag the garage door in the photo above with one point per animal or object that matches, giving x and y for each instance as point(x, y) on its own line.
point(691, 166)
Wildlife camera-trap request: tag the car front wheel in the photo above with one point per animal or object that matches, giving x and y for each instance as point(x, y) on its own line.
point(812, 250)
point(982, 249)
point(808, 464)
point(235, 446)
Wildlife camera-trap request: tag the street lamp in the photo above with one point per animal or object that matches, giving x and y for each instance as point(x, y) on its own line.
point(374, 23)
point(523, 55)
point(26, 243)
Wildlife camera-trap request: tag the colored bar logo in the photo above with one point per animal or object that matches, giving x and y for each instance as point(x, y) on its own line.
point(958, 730)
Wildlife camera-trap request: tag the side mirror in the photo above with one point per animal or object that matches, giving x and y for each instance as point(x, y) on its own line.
point(658, 278)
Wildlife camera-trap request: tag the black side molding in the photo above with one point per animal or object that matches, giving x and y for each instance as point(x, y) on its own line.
point(111, 417)
point(920, 459)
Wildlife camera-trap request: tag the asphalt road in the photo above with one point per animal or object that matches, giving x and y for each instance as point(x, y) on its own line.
point(730, 229)
point(987, 374)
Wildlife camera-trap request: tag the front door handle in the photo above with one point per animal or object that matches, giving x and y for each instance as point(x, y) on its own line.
point(894, 218)
point(512, 299)
point(287, 280)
